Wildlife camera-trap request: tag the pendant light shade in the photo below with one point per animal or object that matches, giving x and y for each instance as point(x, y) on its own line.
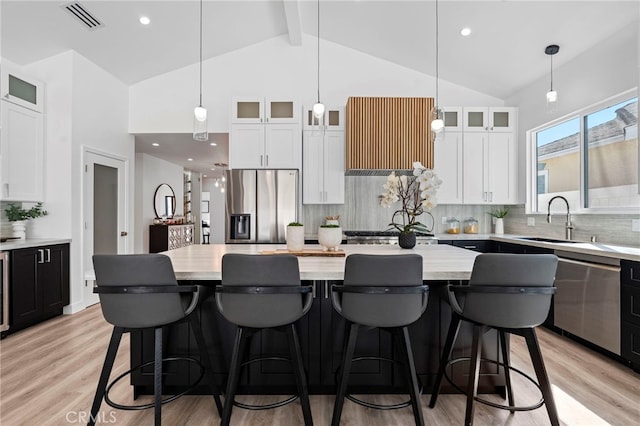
point(200, 125)
point(318, 108)
point(437, 116)
point(552, 95)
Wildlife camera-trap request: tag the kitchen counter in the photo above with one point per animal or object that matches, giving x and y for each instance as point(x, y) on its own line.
point(32, 242)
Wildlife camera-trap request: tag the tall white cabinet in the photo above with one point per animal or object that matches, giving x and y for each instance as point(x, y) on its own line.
point(21, 137)
point(323, 157)
point(476, 156)
point(265, 134)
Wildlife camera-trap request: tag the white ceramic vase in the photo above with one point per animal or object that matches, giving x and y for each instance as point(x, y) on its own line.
point(295, 238)
point(499, 226)
point(329, 238)
point(19, 229)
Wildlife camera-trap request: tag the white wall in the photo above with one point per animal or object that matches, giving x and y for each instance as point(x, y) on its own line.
point(85, 106)
point(151, 172)
point(607, 69)
point(164, 104)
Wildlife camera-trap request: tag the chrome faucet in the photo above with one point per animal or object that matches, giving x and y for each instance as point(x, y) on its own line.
point(567, 226)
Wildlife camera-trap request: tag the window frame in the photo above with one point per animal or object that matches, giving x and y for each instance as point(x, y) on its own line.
point(531, 201)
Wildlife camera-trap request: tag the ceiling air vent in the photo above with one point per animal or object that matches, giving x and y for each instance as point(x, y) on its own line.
point(82, 15)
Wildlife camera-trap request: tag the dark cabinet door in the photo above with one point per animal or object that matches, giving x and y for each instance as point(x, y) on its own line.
point(630, 313)
point(25, 295)
point(53, 277)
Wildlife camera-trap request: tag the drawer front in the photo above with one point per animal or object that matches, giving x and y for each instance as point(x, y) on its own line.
point(481, 246)
point(630, 273)
point(630, 343)
point(630, 304)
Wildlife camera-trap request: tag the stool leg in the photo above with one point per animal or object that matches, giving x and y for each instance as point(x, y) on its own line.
point(234, 375)
point(410, 371)
point(541, 373)
point(474, 373)
point(346, 369)
point(206, 361)
point(454, 327)
point(157, 377)
point(299, 374)
point(507, 371)
point(109, 359)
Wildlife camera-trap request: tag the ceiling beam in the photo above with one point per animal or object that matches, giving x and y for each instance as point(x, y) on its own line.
point(294, 26)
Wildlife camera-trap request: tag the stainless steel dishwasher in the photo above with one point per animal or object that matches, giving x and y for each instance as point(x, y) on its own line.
point(587, 303)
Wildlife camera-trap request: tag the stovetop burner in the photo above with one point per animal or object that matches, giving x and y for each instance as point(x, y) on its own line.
point(381, 234)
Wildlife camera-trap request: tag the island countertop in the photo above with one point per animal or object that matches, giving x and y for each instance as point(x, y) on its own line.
point(204, 261)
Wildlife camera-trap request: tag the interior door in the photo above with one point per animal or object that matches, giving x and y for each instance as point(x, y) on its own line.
point(105, 228)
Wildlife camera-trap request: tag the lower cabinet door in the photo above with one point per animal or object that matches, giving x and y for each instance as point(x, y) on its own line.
point(25, 297)
point(53, 278)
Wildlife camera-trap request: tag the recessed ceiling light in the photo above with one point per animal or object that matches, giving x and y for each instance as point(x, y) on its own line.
point(213, 144)
point(465, 31)
point(145, 20)
point(213, 168)
point(189, 159)
point(155, 144)
point(204, 175)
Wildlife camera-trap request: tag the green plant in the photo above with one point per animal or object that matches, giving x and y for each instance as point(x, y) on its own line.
point(330, 226)
point(499, 213)
point(15, 213)
point(295, 224)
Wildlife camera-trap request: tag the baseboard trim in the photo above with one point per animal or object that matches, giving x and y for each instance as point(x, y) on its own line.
point(73, 308)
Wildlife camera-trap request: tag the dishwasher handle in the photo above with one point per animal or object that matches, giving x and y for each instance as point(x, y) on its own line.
point(591, 265)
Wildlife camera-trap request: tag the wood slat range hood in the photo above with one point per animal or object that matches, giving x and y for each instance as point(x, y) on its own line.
point(385, 134)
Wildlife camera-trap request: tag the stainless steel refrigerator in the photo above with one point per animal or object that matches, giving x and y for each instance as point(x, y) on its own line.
point(260, 205)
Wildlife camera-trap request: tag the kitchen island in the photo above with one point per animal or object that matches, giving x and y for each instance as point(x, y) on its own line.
point(321, 330)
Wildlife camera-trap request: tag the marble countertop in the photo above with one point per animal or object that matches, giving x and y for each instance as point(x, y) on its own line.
point(32, 242)
point(204, 261)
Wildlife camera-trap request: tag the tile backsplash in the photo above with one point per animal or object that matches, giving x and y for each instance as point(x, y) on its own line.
point(362, 211)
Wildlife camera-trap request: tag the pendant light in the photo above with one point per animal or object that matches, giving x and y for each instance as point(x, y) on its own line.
point(200, 128)
point(437, 116)
point(552, 49)
point(318, 107)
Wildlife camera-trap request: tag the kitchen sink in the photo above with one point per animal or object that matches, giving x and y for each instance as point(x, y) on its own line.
point(545, 240)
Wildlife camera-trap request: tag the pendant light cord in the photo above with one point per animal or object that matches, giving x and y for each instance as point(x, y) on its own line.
point(200, 53)
point(551, 73)
point(318, 51)
point(437, 53)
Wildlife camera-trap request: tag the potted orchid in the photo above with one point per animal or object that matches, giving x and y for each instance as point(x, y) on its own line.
point(417, 194)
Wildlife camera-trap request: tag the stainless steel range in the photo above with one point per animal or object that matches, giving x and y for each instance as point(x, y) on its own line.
point(385, 237)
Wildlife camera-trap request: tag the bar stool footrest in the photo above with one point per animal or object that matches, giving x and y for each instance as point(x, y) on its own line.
point(535, 406)
point(273, 404)
point(151, 405)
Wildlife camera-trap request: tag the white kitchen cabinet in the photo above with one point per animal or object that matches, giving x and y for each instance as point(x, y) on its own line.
point(256, 110)
point(264, 146)
point(22, 153)
point(453, 118)
point(333, 119)
point(489, 119)
point(323, 167)
point(447, 160)
point(489, 161)
point(21, 89)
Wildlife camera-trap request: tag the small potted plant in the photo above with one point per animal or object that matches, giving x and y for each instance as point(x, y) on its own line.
point(330, 236)
point(499, 216)
point(19, 216)
point(295, 236)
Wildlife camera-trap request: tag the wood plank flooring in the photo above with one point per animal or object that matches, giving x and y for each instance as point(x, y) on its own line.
point(48, 375)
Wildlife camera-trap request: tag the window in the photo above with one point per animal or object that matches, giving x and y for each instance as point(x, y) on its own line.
point(591, 159)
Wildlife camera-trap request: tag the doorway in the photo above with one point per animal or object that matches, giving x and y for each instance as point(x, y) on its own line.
point(104, 211)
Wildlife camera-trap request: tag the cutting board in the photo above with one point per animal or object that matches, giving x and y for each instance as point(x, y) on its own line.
point(307, 252)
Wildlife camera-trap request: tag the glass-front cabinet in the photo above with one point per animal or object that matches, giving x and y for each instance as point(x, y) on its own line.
point(21, 89)
point(489, 119)
point(247, 110)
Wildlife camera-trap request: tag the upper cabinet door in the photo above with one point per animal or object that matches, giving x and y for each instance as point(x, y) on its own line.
point(247, 110)
point(502, 119)
point(333, 119)
point(21, 89)
point(453, 119)
point(476, 119)
point(283, 111)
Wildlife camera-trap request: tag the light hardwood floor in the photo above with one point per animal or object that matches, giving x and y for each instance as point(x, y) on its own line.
point(48, 375)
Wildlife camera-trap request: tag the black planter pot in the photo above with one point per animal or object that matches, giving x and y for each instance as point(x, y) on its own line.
point(407, 240)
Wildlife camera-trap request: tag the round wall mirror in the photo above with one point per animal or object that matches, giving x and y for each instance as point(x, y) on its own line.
point(164, 201)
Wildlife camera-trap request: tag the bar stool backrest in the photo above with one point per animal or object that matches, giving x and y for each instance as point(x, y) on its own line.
point(510, 309)
point(260, 310)
point(138, 310)
point(382, 310)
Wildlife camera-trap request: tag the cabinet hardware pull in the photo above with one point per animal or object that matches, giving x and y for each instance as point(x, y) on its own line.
point(261, 160)
point(313, 289)
point(40, 256)
point(326, 289)
point(124, 233)
point(48, 256)
point(267, 158)
point(491, 196)
point(470, 247)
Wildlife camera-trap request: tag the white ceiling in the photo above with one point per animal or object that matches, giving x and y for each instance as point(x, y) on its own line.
point(504, 53)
